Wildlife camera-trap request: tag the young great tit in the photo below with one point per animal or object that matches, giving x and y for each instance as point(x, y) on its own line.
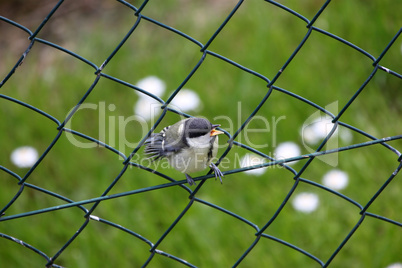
point(189, 146)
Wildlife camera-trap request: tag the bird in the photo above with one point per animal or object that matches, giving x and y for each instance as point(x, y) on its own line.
point(189, 146)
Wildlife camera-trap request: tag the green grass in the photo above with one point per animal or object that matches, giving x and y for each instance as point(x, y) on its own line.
point(260, 37)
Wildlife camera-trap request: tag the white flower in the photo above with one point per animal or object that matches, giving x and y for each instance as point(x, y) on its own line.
point(147, 108)
point(24, 157)
point(252, 160)
point(395, 265)
point(308, 135)
point(346, 135)
point(335, 179)
point(153, 85)
point(305, 202)
point(287, 150)
point(317, 130)
point(186, 100)
point(323, 126)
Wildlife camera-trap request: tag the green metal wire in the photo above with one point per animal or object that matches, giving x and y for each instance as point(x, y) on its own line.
point(194, 198)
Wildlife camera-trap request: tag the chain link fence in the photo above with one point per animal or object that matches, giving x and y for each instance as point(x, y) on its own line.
point(118, 216)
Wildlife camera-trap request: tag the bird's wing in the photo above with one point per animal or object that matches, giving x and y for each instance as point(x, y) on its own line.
point(164, 144)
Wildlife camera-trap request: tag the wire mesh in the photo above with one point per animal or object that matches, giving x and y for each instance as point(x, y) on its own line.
point(88, 205)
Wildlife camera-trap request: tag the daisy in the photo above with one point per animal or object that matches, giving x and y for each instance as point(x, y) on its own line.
point(187, 100)
point(24, 157)
point(252, 160)
point(287, 150)
point(305, 202)
point(335, 179)
point(317, 130)
point(147, 108)
point(153, 85)
point(395, 265)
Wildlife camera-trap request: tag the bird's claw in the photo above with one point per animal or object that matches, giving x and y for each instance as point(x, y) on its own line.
point(190, 180)
point(218, 173)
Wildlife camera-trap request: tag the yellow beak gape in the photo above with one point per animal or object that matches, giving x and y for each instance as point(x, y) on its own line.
point(215, 132)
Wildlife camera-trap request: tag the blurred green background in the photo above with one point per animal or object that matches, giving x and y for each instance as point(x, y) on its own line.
point(261, 37)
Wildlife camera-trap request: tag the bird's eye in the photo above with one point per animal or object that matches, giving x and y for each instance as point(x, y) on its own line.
point(194, 133)
point(198, 127)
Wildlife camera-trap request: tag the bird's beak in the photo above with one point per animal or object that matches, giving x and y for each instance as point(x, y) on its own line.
point(215, 132)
